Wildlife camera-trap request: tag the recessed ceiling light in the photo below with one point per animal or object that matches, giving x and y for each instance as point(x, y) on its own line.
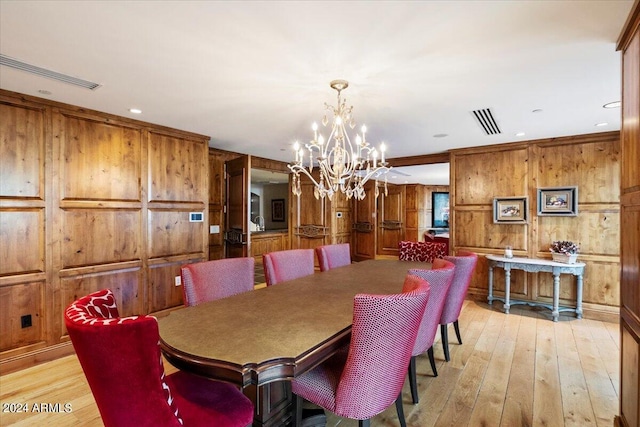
point(44, 92)
point(135, 110)
point(602, 124)
point(520, 134)
point(614, 104)
point(394, 176)
point(537, 110)
point(440, 135)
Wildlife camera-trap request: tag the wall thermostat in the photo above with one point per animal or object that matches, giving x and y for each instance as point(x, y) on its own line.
point(196, 217)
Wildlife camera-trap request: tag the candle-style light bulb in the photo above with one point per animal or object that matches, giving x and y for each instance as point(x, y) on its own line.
point(364, 131)
point(383, 148)
point(320, 140)
point(314, 126)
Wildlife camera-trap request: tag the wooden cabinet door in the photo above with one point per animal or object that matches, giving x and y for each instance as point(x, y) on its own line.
point(237, 228)
point(363, 238)
point(391, 220)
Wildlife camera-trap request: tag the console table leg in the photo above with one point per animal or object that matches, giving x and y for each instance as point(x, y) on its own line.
point(507, 288)
point(490, 297)
point(579, 298)
point(556, 296)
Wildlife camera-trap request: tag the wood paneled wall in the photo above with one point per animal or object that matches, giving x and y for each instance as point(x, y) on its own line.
point(419, 210)
point(591, 162)
point(629, 44)
point(89, 201)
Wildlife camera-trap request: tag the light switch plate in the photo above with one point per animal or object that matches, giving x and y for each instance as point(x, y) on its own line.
point(178, 280)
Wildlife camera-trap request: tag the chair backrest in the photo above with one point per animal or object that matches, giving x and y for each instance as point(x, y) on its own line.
point(211, 280)
point(377, 363)
point(120, 357)
point(287, 265)
point(465, 263)
point(332, 256)
point(421, 251)
point(440, 278)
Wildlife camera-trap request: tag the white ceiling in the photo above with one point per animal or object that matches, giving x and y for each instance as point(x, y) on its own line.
point(254, 75)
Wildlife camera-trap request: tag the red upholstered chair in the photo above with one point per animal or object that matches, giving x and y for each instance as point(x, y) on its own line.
point(121, 359)
point(421, 251)
point(211, 280)
point(364, 381)
point(465, 263)
point(332, 256)
point(287, 265)
point(440, 278)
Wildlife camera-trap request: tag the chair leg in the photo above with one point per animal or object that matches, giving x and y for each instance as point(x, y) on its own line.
point(297, 410)
point(455, 325)
point(364, 423)
point(432, 360)
point(413, 380)
point(400, 409)
point(444, 336)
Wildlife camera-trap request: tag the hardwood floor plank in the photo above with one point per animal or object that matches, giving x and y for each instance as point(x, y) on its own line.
point(575, 396)
point(488, 408)
point(518, 406)
point(547, 396)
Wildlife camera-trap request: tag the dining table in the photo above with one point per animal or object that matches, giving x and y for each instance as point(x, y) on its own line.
point(261, 339)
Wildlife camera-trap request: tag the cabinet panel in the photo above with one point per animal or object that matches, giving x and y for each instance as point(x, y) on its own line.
point(98, 236)
point(475, 229)
point(22, 152)
point(101, 161)
point(22, 234)
point(597, 233)
point(24, 299)
point(177, 168)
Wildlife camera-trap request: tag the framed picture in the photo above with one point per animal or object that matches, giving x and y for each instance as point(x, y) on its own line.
point(440, 206)
point(558, 201)
point(510, 210)
point(277, 210)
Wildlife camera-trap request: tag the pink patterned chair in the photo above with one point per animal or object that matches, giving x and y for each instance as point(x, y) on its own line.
point(211, 280)
point(421, 251)
point(365, 380)
point(287, 265)
point(332, 256)
point(465, 263)
point(440, 278)
point(121, 359)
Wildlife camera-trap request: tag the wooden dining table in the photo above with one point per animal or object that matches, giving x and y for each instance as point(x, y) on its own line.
point(260, 340)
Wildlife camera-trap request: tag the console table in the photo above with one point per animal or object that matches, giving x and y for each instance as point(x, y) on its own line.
point(534, 265)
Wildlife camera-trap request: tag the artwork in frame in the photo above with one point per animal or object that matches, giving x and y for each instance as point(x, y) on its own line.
point(440, 206)
point(558, 201)
point(277, 210)
point(510, 210)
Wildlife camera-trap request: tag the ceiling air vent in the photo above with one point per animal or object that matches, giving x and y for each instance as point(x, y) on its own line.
point(19, 65)
point(486, 121)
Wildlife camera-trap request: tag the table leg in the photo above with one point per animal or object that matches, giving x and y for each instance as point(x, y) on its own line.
point(507, 287)
point(490, 297)
point(579, 297)
point(556, 295)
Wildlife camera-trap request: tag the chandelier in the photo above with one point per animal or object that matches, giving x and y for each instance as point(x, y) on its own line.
point(342, 166)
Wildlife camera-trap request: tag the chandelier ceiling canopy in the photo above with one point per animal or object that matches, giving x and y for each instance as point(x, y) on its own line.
point(342, 165)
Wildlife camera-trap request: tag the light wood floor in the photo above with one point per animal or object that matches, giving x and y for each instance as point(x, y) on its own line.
point(520, 369)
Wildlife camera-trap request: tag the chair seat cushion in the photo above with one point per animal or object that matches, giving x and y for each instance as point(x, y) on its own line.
point(202, 402)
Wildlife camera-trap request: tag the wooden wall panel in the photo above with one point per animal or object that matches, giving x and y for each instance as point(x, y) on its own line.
point(22, 151)
point(178, 169)
point(73, 218)
point(16, 301)
point(481, 177)
point(163, 293)
point(102, 161)
point(23, 241)
point(171, 233)
point(126, 286)
point(100, 236)
point(590, 162)
point(363, 235)
point(391, 220)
